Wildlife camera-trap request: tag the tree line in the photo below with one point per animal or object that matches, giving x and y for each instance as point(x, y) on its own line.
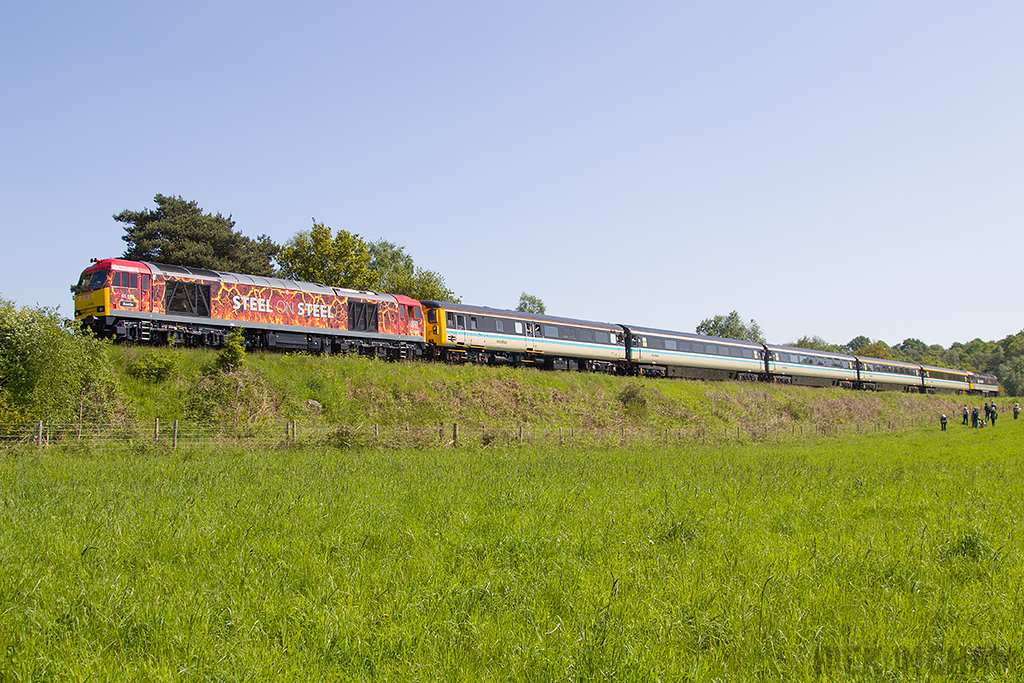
point(1004, 358)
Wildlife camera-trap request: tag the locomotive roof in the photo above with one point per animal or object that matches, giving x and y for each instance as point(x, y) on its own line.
point(261, 281)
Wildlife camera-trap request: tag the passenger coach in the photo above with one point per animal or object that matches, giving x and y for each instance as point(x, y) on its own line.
point(476, 334)
point(680, 354)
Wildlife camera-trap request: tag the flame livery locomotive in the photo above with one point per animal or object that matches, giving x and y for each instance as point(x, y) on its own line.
point(149, 302)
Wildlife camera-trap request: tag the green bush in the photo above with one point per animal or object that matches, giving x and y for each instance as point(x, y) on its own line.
point(52, 370)
point(152, 367)
point(232, 356)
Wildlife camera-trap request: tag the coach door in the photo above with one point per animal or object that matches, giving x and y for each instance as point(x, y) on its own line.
point(456, 323)
point(531, 337)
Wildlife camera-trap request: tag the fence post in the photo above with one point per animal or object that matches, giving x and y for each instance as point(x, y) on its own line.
point(174, 440)
point(376, 432)
point(156, 430)
point(39, 435)
point(520, 433)
point(455, 434)
point(440, 433)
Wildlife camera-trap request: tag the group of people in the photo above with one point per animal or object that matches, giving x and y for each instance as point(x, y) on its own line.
point(974, 415)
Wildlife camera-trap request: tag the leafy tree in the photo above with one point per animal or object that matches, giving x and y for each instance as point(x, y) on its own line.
point(177, 232)
point(396, 273)
point(731, 327)
point(911, 350)
point(878, 349)
point(857, 343)
point(1011, 376)
point(528, 303)
point(817, 343)
point(318, 255)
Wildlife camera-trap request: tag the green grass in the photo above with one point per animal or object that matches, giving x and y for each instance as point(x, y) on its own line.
point(873, 558)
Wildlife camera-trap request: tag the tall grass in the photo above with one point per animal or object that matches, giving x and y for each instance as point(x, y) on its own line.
point(874, 558)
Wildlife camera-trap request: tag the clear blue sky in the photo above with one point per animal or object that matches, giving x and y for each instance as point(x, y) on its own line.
point(825, 168)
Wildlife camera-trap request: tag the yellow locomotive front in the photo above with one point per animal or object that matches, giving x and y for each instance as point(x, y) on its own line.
point(92, 294)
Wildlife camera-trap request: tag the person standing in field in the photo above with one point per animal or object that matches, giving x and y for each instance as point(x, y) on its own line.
point(967, 414)
point(974, 417)
point(1016, 410)
point(993, 411)
point(942, 421)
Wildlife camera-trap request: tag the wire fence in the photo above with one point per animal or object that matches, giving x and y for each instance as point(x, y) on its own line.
point(175, 434)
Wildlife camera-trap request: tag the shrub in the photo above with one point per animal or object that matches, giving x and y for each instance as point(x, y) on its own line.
point(152, 367)
point(51, 370)
point(232, 356)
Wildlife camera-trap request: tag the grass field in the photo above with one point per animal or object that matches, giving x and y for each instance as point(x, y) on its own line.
point(877, 557)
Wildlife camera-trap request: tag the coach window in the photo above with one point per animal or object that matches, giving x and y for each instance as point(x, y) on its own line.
point(602, 337)
point(519, 328)
point(460, 322)
point(551, 332)
point(670, 344)
point(569, 333)
point(451, 319)
point(145, 283)
point(586, 335)
point(499, 325)
point(698, 347)
point(472, 322)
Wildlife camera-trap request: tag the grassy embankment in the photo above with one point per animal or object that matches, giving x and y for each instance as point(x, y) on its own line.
point(352, 390)
point(877, 557)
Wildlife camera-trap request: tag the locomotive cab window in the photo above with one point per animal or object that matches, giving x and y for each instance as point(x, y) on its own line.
point(99, 280)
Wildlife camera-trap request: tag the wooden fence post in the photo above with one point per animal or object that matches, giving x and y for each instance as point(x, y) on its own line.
point(520, 433)
point(174, 440)
point(39, 435)
point(455, 434)
point(156, 430)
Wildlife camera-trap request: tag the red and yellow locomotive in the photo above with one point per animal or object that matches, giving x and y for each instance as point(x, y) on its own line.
point(145, 302)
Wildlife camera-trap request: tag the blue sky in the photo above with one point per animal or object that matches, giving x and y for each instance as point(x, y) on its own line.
point(825, 168)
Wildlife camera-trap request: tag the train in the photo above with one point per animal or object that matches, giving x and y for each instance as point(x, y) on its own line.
point(146, 302)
